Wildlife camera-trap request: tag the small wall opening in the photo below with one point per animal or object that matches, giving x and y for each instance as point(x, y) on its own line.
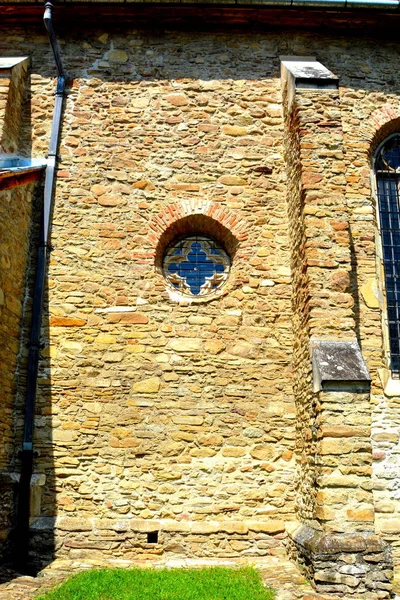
point(152, 537)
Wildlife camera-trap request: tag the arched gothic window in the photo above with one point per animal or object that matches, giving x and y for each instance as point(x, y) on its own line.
point(387, 171)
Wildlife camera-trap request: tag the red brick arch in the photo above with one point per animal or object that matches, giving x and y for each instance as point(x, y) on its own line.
point(191, 216)
point(382, 122)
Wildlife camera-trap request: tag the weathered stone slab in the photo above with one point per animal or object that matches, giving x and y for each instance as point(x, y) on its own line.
point(338, 364)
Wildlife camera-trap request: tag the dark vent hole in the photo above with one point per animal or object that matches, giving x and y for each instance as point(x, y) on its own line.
point(152, 537)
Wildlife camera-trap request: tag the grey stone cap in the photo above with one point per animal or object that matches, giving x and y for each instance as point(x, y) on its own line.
point(8, 63)
point(337, 363)
point(317, 542)
point(307, 72)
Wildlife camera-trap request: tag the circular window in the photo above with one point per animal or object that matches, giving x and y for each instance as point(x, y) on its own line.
point(196, 265)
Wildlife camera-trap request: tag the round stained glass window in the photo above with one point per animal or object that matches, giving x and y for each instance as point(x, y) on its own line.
point(196, 265)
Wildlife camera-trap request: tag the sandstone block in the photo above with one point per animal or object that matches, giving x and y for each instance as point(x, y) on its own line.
point(118, 56)
point(261, 452)
point(272, 527)
point(71, 346)
point(188, 419)
point(370, 293)
point(74, 524)
point(147, 386)
point(234, 130)
point(232, 180)
point(340, 280)
point(177, 99)
point(64, 436)
point(243, 349)
point(67, 322)
point(386, 437)
point(98, 190)
point(104, 338)
point(144, 525)
point(186, 345)
point(199, 320)
point(233, 451)
point(390, 526)
point(343, 431)
point(214, 346)
point(144, 184)
point(113, 357)
point(171, 448)
point(202, 452)
point(334, 446)
point(233, 527)
point(107, 200)
point(178, 526)
point(204, 527)
point(130, 318)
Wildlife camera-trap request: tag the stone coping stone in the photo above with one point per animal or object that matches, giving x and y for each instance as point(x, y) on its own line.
point(338, 362)
point(320, 543)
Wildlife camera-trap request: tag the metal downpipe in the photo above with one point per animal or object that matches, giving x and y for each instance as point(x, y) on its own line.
point(21, 544)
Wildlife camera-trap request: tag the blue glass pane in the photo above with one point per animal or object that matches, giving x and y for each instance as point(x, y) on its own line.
point(196, 265)
point(388, 182)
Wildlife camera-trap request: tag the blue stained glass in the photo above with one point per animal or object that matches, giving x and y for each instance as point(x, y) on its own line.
point(387, 166)
point(196, 265)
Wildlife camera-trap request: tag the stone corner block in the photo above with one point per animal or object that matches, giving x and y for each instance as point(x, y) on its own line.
point(353, 564)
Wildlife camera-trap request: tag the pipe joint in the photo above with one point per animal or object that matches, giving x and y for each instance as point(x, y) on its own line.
point(47, 245)
point(61, 84)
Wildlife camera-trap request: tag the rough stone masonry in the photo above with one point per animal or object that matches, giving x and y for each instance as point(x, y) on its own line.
point(166, 425)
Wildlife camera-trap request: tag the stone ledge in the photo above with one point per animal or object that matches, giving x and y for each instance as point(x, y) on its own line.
point(73, 524)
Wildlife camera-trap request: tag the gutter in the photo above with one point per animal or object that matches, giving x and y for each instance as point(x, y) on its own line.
point(323, 4)
point(19, 171)
point(23, 508)
point(17, 177)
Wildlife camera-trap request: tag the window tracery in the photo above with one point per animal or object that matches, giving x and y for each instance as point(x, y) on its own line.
point(196, 265)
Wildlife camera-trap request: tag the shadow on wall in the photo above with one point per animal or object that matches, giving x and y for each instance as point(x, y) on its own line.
point(20, 553)
point(354, 288)
point(19, 232)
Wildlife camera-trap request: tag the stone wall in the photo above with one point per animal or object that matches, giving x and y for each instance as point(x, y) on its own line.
point(158, 415)
point(163, 410)
point(15, 216)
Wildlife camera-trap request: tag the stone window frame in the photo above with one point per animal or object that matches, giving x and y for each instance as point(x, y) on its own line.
point(391, 381)
point(201, 225)
point(209, 219)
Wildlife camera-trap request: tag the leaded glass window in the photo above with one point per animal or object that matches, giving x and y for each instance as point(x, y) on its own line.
point(196, 265)
point(387, 169)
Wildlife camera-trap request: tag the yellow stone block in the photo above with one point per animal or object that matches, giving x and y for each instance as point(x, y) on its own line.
point(105, 338)
point(147, 386)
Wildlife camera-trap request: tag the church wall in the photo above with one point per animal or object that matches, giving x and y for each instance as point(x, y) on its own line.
point(168, 416)
point(156, 415)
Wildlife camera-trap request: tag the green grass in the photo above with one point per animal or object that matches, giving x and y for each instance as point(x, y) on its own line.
point(165, 584)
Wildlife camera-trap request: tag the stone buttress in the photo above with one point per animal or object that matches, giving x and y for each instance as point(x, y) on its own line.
point(336, 540)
